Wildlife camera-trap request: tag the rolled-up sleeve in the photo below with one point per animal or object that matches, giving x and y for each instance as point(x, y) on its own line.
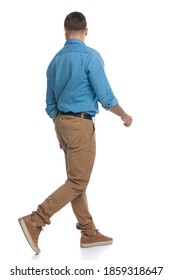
point(100, 83)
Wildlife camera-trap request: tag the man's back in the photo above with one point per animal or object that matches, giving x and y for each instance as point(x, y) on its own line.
point(77, 80)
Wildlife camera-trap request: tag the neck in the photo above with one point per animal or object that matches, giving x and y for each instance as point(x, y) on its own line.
point(80, 35)
point(82, 38)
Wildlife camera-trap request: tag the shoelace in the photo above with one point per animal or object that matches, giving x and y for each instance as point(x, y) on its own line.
point(102, 235)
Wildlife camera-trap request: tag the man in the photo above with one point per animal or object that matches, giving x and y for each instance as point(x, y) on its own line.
point(76, 82)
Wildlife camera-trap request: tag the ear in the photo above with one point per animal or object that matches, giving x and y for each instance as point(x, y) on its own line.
point(65, 32)
point(86, 31)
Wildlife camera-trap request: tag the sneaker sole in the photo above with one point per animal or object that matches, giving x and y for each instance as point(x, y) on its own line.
point(93, 244)
point(28, 236)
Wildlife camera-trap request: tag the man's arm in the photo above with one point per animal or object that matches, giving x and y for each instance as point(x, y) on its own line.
point(117, 110)
point(51, 105)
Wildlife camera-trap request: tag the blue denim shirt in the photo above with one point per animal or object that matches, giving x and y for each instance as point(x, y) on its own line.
point(76, 81)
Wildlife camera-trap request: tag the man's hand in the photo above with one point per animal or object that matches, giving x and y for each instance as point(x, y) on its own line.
point(117, 110)
point(127, 120)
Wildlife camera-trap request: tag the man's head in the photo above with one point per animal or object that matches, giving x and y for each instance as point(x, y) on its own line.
point(75, 26)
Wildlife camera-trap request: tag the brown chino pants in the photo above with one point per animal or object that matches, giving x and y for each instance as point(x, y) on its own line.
point(77, 138)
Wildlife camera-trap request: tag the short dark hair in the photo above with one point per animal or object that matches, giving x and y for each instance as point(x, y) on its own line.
point(75, 21)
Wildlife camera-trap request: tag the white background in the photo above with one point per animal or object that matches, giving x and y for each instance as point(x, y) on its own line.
point(129, 193)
